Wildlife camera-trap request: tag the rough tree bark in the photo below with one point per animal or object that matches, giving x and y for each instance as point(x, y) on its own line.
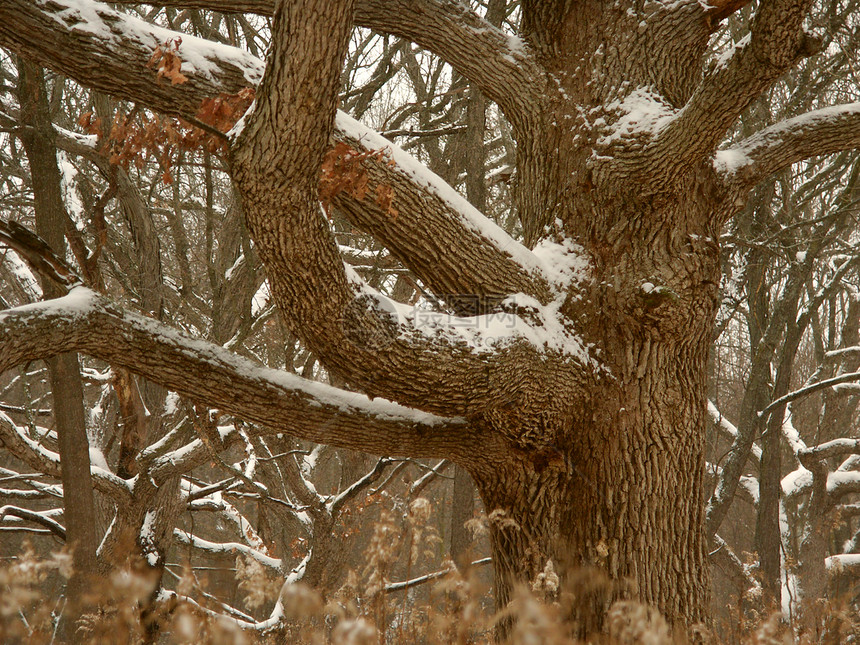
point(583, 430)
point(63, 369)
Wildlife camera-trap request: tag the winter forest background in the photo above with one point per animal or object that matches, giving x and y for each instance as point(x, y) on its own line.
point(200, 517)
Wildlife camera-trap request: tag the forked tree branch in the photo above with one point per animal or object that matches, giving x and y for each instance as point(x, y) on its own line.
point(109, 51)
point(87, 323)
point(276, 160)
point(498, 64)
point(776, 42)
point(36, 456)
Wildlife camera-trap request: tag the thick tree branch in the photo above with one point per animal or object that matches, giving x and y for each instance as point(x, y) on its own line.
point(276, 161)
point(449, 234)
point(824, 131)
point(721, 9)
point(88, 323)
point(47, 461)
point(109, 51)
point(494, 61)
point(775, 43)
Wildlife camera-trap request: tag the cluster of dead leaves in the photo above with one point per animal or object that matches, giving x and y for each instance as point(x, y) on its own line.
point(343, 171)
point(136, 136)
point(166, 60)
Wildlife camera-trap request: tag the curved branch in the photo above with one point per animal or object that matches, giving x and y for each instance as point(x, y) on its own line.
point(88, 323)
point(430, 233)
point(499, 64)
point(775, 43)
point(22, 513)
point(820, 132)
point(810, 389)
point(47, 461)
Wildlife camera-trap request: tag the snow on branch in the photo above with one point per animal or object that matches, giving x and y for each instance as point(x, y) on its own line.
point(337, 502)
point(32, 453)
point(42, 518)
point(844, 564)
point(835, 448)
point(727, 428)
point(231, 514)
point(775, 43)
point(810, 389)
point(110, 51)
point(447, 229)
point(185, 537)
point(429, 577)
point(500, 64)
point(85, 322)
point(819, 132)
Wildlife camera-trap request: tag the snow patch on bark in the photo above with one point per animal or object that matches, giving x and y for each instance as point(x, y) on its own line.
point(642, 112)
point(470, 216)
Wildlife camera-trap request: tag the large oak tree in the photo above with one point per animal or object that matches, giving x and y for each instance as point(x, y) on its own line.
point(572, 385)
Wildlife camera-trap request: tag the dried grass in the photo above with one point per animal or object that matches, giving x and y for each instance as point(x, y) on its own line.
point(450, 610)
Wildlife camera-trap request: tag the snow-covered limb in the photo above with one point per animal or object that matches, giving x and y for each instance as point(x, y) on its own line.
point(348, 493)
point(420, 580)
point(86, 322)
point(168, 598)
point(836, 448)
point(41, 489)
point(499, 64)
point(167, 595)
point(275, 564)
point(835, 484)
point(42, 518)
point(422, 482)
point(110, 51)
point(724, 558)
point(776, 42)
point(36, 456)
point(748, 488)
point(17, 409)
point(841, 483)
point(186, 457)
point(819, 132)
point(449, 228)
point(727, 428)
point(844, 564)
point(811, 389)
point(419, 366)
point(229, 512)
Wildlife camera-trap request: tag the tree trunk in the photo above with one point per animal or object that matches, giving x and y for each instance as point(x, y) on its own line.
point(63, 370)
point(587, 444)
point(622, 494)
point(462, 510)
